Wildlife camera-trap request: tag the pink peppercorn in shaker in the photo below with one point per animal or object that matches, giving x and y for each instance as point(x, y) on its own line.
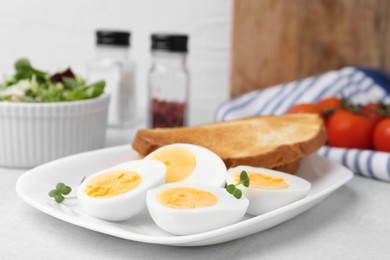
point(168, 81)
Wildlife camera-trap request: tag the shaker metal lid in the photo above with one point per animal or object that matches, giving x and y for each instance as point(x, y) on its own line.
point(117, 38)
point(169, 42)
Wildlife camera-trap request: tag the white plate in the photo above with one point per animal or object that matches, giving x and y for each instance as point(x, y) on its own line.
point(33, 187)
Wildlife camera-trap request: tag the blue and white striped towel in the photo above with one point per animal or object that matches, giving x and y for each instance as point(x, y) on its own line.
point(358, 84)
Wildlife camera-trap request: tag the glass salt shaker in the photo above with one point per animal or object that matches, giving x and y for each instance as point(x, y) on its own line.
point(168, 81)
point(112, 63)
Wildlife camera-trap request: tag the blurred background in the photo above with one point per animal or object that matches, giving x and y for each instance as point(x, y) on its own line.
point(234, 46)
point(58, 34)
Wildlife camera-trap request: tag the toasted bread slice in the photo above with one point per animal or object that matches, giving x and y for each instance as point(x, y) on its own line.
point(289, 168)
point(261, 141)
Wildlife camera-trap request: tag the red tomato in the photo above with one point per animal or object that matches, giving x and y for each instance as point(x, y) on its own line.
point(329, 103)
point(304, 108)
point(328, 106)
point(382, 135)
point(374, 111)
point(349, 130)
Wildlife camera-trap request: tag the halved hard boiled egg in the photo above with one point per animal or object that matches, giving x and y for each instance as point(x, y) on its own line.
point(118, 193)
point(191, 163)
point(189, 208)
point(268, 189)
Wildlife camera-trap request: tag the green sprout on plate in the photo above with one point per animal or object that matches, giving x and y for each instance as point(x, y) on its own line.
point(59, 192)
point(232, 188)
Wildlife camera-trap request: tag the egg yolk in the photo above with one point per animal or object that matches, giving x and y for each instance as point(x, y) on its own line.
point(263, 181)
point(186, 198)
point(112, 184)
point(180, 162)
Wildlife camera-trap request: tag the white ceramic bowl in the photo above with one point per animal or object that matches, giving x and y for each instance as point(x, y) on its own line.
point(35, 133)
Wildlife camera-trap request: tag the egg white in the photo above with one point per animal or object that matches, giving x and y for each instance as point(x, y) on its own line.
point(126, 205)
point(209, 167)
point(265, 200)
point(226, 211)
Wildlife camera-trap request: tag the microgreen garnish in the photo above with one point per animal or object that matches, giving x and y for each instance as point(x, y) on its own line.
point(59, 192)
point(232, 188)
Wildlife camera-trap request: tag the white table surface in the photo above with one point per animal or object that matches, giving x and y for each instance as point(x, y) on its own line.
point(352, 223)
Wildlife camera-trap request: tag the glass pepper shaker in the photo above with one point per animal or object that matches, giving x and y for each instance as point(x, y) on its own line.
point(113, 64)
point(168, 81)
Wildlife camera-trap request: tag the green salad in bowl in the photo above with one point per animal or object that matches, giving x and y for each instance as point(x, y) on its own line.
point(47, 116)
point(29, 84)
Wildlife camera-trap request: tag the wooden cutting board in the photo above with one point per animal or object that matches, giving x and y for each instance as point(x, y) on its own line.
point(280, 41)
